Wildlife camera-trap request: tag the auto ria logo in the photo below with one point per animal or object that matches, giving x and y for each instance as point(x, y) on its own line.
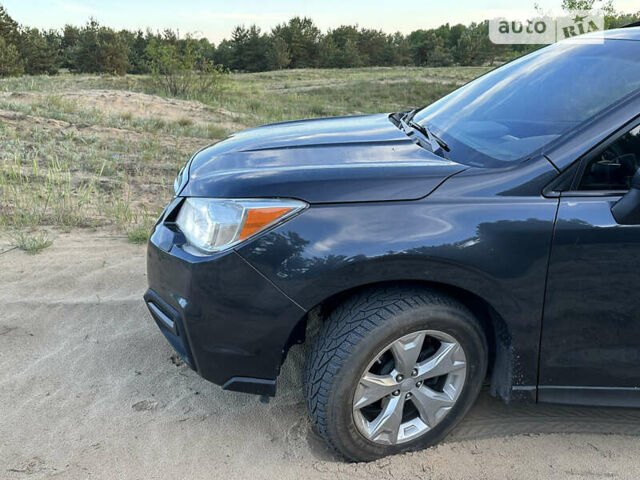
point(540, 30)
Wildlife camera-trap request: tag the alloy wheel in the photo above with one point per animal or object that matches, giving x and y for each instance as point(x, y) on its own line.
point(409, 387)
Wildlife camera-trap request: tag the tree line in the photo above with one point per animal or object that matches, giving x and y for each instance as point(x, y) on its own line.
point(297, 43)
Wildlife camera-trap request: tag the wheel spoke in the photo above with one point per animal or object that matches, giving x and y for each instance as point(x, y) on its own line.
point(386, 426)
point(372, 388)
point(428, 402)
point(444, 361)
point(406, 351)
point(433, 385)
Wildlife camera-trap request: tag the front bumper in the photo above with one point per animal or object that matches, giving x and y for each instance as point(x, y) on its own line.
point(225, 319)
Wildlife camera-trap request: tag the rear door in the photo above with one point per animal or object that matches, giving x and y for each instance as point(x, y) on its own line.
point(590, 348)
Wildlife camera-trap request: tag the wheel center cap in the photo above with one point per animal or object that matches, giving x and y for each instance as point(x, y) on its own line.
point(406, 385)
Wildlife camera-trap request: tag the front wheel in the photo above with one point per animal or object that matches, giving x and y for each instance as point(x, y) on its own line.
point(393, 370)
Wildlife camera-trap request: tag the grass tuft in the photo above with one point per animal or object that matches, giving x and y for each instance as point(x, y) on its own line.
point(33, 244)
point(138, 234)
point(215, 131)
point(184, 122)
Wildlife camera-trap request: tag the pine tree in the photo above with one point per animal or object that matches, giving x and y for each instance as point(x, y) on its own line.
point(279, 56)
point(8, 28)
point(100, 50)
point(10, 62)
point(302, 38)
point(256, 50)
point(39, 55)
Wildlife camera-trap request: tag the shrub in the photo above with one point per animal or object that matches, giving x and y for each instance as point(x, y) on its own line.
point(180, 72)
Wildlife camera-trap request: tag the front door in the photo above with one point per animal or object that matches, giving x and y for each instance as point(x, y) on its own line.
point(590, 349)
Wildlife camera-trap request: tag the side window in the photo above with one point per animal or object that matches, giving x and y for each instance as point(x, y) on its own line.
point(613, 168)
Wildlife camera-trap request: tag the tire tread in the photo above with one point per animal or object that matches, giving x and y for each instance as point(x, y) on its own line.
point(349, 324)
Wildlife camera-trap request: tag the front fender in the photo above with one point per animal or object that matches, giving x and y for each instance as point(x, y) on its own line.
point(495, 248)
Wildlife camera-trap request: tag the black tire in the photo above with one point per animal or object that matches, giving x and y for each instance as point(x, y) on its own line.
point(355, 332)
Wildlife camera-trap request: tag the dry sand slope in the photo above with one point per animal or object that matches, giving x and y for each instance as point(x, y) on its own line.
point(135, 104)
point(90, 389)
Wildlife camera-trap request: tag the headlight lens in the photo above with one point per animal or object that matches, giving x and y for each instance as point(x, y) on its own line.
point(215, 224)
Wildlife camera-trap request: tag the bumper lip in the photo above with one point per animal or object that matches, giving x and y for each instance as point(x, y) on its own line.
point(257, 386)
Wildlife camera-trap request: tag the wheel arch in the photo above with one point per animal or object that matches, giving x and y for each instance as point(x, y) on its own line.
point(493, 324)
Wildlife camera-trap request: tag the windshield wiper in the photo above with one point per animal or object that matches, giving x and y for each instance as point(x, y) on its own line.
point(408, 117)
point(427, 132)
point(428, 139)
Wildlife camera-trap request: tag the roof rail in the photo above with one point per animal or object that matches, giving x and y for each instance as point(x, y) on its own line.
point(634, 24)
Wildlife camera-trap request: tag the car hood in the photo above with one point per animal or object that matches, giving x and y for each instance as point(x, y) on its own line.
point(344, 159)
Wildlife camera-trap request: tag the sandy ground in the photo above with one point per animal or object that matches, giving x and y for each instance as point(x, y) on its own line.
point(25, 123)
point(138, 105)
point(89, 388)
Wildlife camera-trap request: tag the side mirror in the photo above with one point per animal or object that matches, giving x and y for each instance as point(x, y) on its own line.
point(626, 211)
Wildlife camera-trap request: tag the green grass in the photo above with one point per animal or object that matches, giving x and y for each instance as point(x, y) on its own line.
point(184, 122)
point(68, 81)
point(57, 108)
point(41, 191)
point(258, 98)
point(278, 96)
point(66, 164)
point(216, 131)
point(82, 181)
point(138, 234)
point(33, 244)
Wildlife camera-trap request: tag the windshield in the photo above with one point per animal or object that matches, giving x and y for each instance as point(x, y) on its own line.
point(524, 105)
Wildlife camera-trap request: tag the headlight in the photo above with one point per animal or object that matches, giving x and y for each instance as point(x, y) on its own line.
point(215, 224)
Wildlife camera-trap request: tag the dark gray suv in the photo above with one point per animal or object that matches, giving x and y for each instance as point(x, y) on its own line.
point(491, 236)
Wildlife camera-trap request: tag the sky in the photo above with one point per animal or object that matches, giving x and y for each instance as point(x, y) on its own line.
point(215, 19)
